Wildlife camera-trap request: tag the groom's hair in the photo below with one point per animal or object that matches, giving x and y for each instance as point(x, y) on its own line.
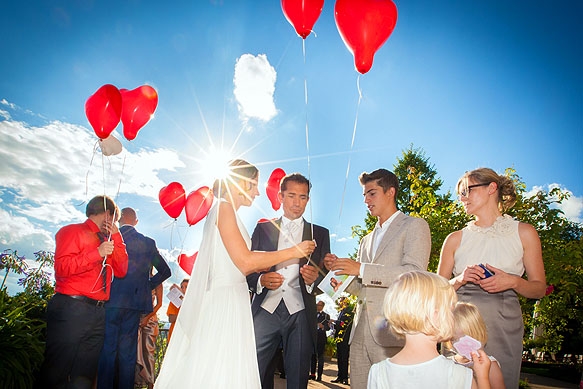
point(294, 177)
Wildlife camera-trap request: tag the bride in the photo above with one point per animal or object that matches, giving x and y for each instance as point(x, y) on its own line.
point(213, 343)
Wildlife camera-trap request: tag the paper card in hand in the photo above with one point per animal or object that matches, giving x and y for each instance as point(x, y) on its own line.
point(465, 345)
point(175, 295)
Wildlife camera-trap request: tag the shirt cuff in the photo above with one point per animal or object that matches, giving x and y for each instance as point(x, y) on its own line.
point(361, 271)
point(310, 288)
point(259, 288)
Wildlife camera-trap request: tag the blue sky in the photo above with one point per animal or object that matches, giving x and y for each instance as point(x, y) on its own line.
point(494, 83)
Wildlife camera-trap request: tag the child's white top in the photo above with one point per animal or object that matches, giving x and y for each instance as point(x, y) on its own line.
point(437, 373)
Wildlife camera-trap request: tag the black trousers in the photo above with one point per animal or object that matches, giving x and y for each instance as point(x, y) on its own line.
point(75, 332)
point(318, 356)
point(343, 354)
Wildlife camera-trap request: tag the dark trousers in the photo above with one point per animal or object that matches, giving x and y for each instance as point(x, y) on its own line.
point(121, 345)
point(294, 332)
point(343, 354)
point(75, 331)
point(318, 356)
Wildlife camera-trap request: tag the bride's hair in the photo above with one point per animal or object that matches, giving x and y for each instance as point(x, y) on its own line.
point(241, 173)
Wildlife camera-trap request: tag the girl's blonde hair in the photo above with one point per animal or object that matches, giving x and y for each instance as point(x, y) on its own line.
point(484, 175)
point(421, 302)
point(469, 321)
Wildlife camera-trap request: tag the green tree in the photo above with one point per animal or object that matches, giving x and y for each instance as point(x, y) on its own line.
point(418, 181)
point(22, 327)
point(560, 313)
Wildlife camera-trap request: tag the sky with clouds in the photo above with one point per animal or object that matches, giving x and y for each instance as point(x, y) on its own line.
point(495, 84)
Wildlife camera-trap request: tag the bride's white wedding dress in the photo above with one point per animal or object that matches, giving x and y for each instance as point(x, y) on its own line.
point(213, 343)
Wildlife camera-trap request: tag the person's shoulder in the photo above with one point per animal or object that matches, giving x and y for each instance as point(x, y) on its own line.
point(320, 228)
point(73, 228)
point(411, 219)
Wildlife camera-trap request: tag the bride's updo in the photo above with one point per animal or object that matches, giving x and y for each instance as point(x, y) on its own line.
point(241, 173)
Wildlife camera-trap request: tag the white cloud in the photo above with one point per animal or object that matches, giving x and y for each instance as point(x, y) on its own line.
point(571, 207)
point(48, 171)
point(254, 82)
point(18, 231)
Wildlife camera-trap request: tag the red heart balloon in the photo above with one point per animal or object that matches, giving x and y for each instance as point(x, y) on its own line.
point(186, 262)
point(365, 25)
point(198, 204)
point(137, 109)
point(172, 198)
point(272, 188)
point(103, 110)
point(302, 14)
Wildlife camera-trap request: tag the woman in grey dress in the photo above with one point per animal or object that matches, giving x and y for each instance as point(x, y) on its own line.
point(507, 249)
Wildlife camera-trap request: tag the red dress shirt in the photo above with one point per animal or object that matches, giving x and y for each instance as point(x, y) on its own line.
point(78, 265)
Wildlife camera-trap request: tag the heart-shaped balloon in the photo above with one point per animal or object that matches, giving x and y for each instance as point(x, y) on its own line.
point(272, 188)
point(172, 198)
point(302, 14)
point(138, 107)
point(186, 262)
point(110, 146)
point(365, 25)
point(198, 204)
point(103, 110)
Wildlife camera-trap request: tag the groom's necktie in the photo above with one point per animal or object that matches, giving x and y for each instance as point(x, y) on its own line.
point(289, 230)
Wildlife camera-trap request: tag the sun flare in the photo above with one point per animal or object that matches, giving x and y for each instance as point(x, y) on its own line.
point(215, 164)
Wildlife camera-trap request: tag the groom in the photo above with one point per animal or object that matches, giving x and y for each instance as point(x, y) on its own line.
point(284, 305)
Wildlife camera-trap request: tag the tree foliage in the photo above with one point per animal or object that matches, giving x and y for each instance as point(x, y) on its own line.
point(22, 324)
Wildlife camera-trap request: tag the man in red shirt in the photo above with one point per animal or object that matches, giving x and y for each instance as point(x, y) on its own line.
point(87, 257)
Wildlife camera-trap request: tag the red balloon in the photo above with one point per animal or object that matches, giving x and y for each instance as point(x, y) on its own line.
point(172, 198)
point(198, 204)
point(103, 110)
point(365, 25)
point(272, 188)
point(302, 14)
point(137, 109)
point(186, 262)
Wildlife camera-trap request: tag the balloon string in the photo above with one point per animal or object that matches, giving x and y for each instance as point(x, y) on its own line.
point(307, 133)
point(351, 144)
point(123, 165)
point(89, 169)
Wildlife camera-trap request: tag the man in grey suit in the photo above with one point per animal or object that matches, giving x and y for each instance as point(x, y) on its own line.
point(398, 244)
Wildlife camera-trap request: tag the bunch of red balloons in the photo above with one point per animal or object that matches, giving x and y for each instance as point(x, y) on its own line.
point(364, 25)
point(109, 105)
point(196, 205)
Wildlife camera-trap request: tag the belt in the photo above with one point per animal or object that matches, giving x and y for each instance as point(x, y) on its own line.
point(85, 299)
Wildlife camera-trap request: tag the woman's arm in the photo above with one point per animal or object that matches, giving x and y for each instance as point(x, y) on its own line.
point(246, 260)
point(446, 259)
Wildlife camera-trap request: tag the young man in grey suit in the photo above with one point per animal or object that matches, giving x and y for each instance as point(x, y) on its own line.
point(284, 304)
point(398, 244)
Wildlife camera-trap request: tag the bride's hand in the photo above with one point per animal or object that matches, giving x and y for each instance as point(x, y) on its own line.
point(306, 248)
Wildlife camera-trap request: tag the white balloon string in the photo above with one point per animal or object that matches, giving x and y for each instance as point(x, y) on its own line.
point(307, 133)
point(123, 165)
point(351, 145)
point(89, 169)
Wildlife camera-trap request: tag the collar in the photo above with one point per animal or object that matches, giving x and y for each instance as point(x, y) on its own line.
point(92, 226)
point(388, 222)
point(285, 222)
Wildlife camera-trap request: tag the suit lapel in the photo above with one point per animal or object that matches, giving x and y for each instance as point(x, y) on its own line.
point(307, 233)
